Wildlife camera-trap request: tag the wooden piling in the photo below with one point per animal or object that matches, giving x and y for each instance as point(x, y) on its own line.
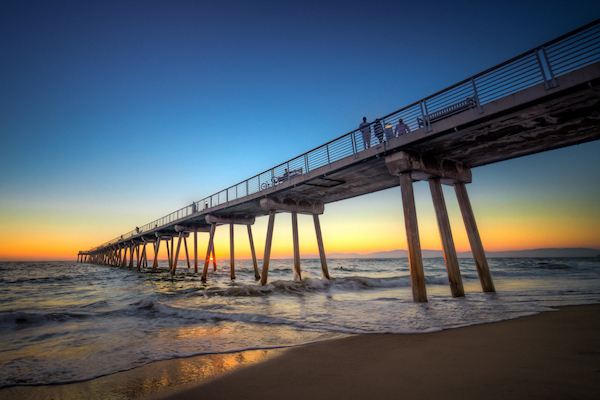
point(231, 252)
point(138, 256)
point(172, 252)
point(141, 259)
point(297, 272)
point(214, 258)
point(169, 254)
point(256, 274)
point(415, 260)
point(208, 251)
point(452, 268)
point(483, 269)
point(187, 255)
point(131, 257)
point(156, 249)
point(124, 261)
point(267, 255)
point(321, 247)
point(176, 254)
point(195, 252)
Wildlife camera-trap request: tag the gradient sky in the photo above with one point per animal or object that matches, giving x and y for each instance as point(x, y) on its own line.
point(115, 113)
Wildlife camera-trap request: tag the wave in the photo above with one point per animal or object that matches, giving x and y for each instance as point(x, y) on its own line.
point(311, 285)
point(21, 319)
point(151, 308)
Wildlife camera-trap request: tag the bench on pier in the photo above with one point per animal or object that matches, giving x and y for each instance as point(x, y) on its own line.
point(461, 106)
point(279, 179)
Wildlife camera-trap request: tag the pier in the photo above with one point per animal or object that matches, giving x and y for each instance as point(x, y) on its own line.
point(543, 99)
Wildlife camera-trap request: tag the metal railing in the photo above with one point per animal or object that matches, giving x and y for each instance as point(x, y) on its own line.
point(543, 64)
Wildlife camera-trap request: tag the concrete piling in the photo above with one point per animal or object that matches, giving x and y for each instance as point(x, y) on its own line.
point(483, 269)
point(415, 260)
point(452, 268)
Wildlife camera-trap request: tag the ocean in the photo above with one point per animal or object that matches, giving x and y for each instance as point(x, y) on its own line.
point(66, 322)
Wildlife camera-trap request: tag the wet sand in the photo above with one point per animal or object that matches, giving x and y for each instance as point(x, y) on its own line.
point(554, 355)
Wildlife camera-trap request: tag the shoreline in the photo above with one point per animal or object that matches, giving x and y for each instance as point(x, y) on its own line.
point(554, 354)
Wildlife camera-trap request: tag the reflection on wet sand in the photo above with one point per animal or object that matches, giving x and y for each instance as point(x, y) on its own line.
point(147, 380)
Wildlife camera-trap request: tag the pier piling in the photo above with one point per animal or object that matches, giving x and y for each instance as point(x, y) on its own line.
point(450, 257)
point(474, 239)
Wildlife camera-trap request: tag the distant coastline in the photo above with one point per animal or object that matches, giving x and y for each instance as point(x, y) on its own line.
point(534, 253)
point(574, 252)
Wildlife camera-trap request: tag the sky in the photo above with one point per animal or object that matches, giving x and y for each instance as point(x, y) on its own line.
point(116, 113)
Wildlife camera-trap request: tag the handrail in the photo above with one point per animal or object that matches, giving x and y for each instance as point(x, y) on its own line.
point(542, 64)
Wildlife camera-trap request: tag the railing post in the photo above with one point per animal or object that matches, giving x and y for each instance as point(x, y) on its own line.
point(306, 164)
point(553, 82)
point(247, 190)
point(425, 115)
point(288, 170)
point(476, 96)
point(273, 177)
point(354, 146)
point(328, 159)
point(548, 83)
point(428, 127)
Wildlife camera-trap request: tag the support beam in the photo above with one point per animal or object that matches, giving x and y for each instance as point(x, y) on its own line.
point(267, 255)
point(131, 248)
point(195, 252)
point(143, 260)
point(124, 261)
point(297, 272)
point(452, 268)
point(423, 167)
point(176, 254)
point(291, 205)
point(321, 247)
point(214, 258)
point(169, 254)
point(415, 260)
point(187, 254)
point(231, 252)
point(234, 219)
point(172, 252)
point(208, 251)
point(474, 239)
point(256, 274)
point(156, 249)
point(142, 255)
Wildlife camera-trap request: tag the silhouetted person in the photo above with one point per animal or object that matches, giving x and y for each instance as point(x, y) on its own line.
point(378, 128)
point(401, 128)
point(365, 129)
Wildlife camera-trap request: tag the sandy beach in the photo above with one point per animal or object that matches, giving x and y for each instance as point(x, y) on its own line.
point(554, 355)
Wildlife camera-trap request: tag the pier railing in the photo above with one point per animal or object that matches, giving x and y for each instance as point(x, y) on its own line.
point(543, 64)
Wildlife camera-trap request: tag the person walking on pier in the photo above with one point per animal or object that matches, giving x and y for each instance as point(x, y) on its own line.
point(365, 129)
point(401, 128)
point(378, 128)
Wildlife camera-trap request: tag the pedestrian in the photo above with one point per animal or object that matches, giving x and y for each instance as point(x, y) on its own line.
point(365, 129)
point(401, 128)
point(378, 128)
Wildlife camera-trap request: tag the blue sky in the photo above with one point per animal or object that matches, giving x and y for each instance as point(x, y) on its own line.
point(114, 113)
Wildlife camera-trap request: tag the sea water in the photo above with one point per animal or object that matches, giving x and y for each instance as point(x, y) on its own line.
point(65, 321)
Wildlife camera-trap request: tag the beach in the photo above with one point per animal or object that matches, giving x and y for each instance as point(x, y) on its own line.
point(83, 331)
point(554, 355)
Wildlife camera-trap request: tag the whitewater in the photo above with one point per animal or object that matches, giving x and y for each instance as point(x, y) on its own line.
point(65, 322)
